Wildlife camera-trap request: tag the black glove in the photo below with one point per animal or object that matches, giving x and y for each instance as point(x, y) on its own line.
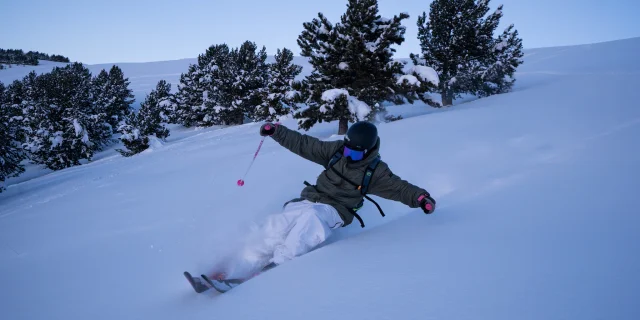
point(268, 129)
point(427, 203)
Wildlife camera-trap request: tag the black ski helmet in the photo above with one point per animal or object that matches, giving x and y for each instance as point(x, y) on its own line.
point(361, 136)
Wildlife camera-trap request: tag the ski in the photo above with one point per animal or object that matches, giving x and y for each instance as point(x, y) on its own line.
point(224, 285)
point(197, 283)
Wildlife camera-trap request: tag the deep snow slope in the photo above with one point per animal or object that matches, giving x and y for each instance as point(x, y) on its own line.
point(536, 217)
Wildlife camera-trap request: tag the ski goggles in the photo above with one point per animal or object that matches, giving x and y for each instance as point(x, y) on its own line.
point(355, 155)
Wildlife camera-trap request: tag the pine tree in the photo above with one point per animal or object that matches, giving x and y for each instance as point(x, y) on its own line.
point(137, 127)
point(232, 83)
point(102, 103)
point(457, 41)
point(61, 117)
point(198, 99)
point(11, 153)
point(251, 76)
point(188, 99)
point(31, 94)
point(131, 138)
point(18, 110)
point(151, 116)
point(112, 99)
point(225, 86)
point(218, 75)
point(354, 70)
point(120, 97)
point(416, 84)
point(498, 76)
point(279, 96)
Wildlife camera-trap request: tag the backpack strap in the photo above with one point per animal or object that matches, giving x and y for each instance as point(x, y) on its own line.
point(335, 158)
point(366, 180)
point(363, 187)
point(371, 168)
point(368, 174)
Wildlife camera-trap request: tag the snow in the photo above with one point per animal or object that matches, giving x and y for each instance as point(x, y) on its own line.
point(56, 139)
point(410, 78)
point(332, 94)
point(77, 127)
point(291, 94)
point(135, 133)
point(426, 74)
point(343, 66)
point(536, 219)
point(372, 46)
point(501, 45)
point(356, 107)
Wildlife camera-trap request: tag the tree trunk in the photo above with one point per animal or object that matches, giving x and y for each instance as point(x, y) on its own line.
point(447, 98)
point(343, 126)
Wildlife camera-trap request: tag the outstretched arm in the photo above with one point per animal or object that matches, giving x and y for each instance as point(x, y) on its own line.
point(387, 185)
point(308, 147)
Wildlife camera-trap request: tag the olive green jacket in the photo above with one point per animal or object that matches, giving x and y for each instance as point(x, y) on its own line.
point(331, 189)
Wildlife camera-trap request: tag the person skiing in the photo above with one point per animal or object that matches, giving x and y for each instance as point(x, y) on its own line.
point(333, 201)
point(309, 220)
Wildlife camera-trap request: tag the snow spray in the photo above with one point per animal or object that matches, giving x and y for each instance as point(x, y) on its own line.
point(241, 181)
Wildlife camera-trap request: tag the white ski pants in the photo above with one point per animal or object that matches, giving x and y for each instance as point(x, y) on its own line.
point(300, 228)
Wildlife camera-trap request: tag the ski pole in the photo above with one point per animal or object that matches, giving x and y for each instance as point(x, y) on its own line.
point(241, 181)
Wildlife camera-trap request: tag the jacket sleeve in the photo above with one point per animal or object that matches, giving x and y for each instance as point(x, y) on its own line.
point(387, 185)
point(308, 147)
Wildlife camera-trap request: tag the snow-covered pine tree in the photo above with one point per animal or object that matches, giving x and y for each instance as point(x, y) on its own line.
point(149, 120)
point(31, 94)
point(188, 97)
point(248, 82)
point(120, 97)
point(317, 42)
point(354, 58)
point(18, 110)
point(457, 41)
point(280, 96)
point(131, 138)
point(199, 91)
point(102, 98)
point(3, 89)
point(416, 84)
point(219, 76)
point(498, 76)
point(63, 118)
point(151, 116)
point(11, 153)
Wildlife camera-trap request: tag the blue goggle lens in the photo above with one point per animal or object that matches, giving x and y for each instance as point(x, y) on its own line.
point(355, 155)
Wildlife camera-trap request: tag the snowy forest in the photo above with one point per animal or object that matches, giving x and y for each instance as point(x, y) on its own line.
point(62, 118)
point(19, 57)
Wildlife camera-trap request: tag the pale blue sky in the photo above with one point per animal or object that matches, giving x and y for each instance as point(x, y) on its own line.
point(93, 31)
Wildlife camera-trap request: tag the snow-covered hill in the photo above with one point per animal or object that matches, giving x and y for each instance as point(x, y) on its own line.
point(537, 215)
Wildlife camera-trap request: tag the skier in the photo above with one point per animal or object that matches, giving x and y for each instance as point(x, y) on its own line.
point(332, 202)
